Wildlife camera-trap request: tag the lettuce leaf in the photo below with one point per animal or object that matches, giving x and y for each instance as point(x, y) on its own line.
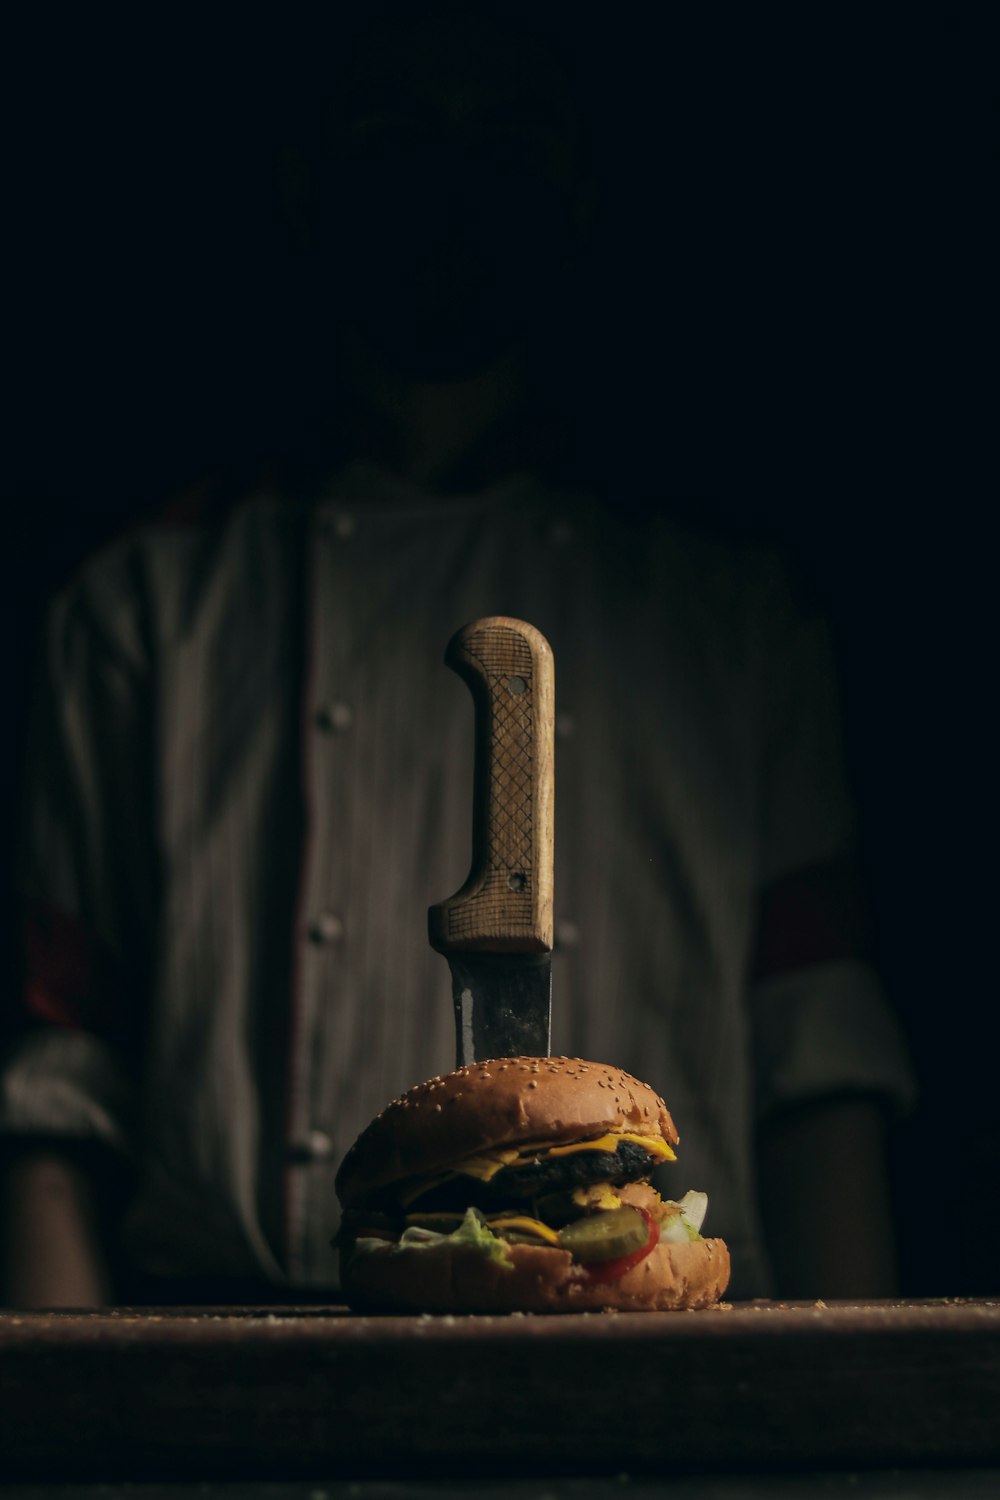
point(472, 1231)
point(685, 1224)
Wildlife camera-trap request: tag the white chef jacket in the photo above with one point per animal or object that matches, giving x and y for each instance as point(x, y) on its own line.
point(250, 773)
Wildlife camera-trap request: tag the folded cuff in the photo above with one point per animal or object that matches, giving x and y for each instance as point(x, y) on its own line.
point(826, 1030)
point(68, 1084)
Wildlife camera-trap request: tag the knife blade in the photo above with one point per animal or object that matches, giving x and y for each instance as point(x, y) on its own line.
point(496, 931)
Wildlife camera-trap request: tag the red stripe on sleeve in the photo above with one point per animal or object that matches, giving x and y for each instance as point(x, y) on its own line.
point(70, 979)
point(817, 915)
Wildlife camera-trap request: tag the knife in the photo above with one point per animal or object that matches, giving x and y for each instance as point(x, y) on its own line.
point(496, 931)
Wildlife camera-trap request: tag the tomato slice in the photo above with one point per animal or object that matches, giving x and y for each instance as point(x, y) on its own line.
point(610, 1270)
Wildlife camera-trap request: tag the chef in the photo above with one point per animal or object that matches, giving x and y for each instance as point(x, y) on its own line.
point(249, 774)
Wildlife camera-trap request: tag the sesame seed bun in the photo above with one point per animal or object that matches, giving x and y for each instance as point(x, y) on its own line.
point(494, 1104)
point(538, 1280)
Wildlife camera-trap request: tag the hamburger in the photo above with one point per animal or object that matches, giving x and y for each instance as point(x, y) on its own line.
point(522, 1184)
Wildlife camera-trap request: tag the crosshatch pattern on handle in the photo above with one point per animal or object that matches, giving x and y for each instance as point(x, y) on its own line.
point(504, 655)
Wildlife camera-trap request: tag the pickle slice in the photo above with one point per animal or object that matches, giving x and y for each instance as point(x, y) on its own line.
point(605, 1236)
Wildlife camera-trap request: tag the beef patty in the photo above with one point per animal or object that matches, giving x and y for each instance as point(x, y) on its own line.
point(523, 1181)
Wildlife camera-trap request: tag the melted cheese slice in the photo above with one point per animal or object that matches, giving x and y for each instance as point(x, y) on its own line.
point(485, 1166)
point(599, 1195)
point(509, 1219)
point(525, 1224)
point(651, 1143)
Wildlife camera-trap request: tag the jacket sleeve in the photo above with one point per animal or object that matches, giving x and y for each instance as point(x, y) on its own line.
point(821, 1023)
point(85, 876)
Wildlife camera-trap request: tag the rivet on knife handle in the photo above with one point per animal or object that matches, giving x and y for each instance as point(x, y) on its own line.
point(505, 905)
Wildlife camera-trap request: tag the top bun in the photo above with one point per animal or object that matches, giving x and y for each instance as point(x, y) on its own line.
point(489, 1105)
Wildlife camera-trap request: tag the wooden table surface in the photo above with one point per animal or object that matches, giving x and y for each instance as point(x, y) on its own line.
point(229, 1392)
point(843, 1484)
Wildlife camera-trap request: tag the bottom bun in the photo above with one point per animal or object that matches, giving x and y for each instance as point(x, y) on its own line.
point(461, 1278)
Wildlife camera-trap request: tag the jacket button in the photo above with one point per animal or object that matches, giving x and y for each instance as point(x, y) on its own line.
point(567, 933)
point(341, 527)
point(326, 928)
point(335, 717)
point(316, 1146)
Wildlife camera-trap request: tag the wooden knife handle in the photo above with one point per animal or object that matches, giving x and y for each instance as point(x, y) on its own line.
point(505, 905)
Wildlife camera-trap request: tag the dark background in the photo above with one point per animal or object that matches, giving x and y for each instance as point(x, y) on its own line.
point(774, 340)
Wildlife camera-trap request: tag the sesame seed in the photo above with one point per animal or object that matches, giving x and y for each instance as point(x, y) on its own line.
point(437, 1109)
point(533, 1084)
